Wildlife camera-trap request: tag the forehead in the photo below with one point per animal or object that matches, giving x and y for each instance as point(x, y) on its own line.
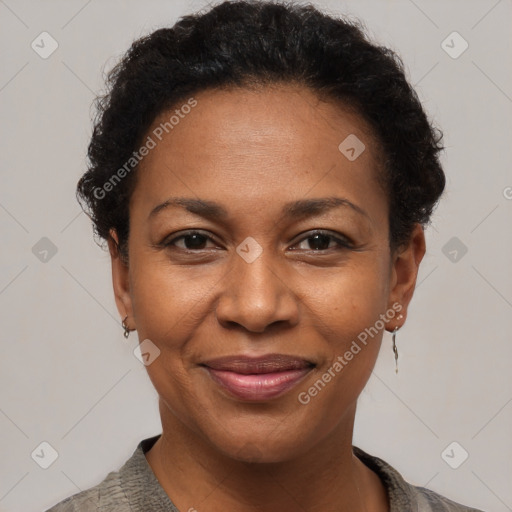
point(269, 144)
point(245, 118)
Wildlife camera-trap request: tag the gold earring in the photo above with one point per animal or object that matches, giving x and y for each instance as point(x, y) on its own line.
point(126, 328)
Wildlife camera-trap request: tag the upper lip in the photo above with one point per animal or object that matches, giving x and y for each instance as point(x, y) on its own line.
point(261, 364)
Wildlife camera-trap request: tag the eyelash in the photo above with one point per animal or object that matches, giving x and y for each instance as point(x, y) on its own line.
point(343, 242)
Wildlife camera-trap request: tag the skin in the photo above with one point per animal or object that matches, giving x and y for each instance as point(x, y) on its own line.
point(253, 151)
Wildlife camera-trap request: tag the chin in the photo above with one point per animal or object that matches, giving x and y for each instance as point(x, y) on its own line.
point(264, 445)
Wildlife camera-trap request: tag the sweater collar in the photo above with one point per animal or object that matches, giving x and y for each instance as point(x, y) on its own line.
point(144, 492)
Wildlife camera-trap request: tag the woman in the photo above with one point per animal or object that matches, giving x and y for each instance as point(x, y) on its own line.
point(262, 175)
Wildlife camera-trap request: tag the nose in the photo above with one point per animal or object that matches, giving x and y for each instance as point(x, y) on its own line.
point(257, 295)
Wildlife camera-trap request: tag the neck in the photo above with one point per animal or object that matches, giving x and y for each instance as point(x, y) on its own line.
point(198, 477)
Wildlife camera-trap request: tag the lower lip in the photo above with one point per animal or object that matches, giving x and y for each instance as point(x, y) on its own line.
point(257, 387)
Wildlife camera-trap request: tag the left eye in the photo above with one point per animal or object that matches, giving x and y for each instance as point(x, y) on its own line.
point(321, 241)
point(191, 240)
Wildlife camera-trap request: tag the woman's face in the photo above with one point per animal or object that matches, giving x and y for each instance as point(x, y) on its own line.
point(252, 314)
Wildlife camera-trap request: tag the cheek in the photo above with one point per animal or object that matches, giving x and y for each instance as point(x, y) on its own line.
point(168, 304)
point(347, 311)
point(348, 299)
point(169, 300)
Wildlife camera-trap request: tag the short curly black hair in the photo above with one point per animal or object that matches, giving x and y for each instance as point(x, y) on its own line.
point(239, 43)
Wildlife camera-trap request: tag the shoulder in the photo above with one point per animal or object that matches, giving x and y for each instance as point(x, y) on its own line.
point(431, 501)
point(102, 497)
point(132, 488)
point(404, 496)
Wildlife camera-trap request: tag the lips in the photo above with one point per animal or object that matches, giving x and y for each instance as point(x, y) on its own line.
point(258, 378)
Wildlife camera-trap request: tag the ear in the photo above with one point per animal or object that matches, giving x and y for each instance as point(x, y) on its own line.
point(120, 280)
point(404, 271)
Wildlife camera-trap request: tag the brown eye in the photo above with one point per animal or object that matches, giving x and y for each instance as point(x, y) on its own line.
point(322, 241)
point(192, 240)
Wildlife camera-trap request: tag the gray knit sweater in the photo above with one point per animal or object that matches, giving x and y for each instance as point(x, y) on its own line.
point(135, 488)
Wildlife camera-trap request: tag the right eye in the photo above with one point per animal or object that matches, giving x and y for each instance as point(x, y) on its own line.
point(192, 241)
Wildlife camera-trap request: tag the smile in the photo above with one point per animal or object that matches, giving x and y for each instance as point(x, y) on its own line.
point(258, 379)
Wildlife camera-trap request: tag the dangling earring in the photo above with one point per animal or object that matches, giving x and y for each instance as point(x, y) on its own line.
point(126, 328)
point(395, 350)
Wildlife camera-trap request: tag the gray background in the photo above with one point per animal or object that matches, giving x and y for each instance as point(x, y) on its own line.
point(69, 378)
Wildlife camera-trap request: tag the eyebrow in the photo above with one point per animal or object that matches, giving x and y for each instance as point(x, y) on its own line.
point(297, 209)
